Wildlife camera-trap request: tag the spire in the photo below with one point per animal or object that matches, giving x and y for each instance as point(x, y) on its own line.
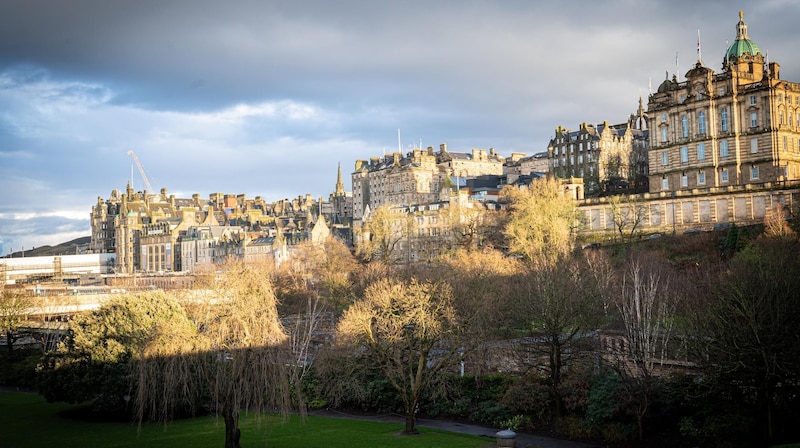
point(741, 27)
point(339, 183)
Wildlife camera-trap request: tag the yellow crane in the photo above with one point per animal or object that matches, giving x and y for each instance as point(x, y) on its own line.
point(141, 171)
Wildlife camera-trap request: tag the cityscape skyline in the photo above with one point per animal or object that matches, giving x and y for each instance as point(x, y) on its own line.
point(267, 99)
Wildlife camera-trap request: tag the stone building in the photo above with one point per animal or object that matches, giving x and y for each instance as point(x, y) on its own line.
point(716, 130)
point(419, 177)
point(607, 157)
point(161, 233)
point(521, 165)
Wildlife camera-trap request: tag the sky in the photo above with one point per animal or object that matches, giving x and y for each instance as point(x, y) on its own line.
point(267, 98)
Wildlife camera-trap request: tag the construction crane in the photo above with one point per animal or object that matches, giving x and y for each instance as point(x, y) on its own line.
point(141, 171)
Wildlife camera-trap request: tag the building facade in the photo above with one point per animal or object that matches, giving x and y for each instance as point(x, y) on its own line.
point(159, 233)
point(419, 177)
point(737, 127)
point(607, 157)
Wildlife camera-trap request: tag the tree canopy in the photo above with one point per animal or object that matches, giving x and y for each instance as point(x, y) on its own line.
point(408, 331)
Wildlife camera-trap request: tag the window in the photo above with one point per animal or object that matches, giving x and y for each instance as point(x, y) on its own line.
point(724, 175)
point(685, 126)
point(580, 158)
point(683, 97)
point(684, 154)
point(785, 144)
point(754, 145)
point(664, 158)
point(753, 119)
point(684, 180)
point(780, 114)
point(780, 97)
point(752, 99)
point(555, 162)
point(754, 172)
point(701, 151)
point(701, 177)
point(721, 91)
point(663, 117)
point(701, 122)
point(664, 183)
point(664, 134)
point(723, 119)
point(723, 148)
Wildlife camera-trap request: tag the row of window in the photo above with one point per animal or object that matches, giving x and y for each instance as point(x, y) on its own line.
point(701, 151)
point(701, 177)
point(589, 158)
point(558, 150)
point(724, 125)
point(579, 172)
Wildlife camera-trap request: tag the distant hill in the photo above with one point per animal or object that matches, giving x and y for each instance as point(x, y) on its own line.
point(68, 248)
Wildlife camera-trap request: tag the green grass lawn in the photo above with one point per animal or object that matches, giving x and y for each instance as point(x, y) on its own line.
point(27, 420)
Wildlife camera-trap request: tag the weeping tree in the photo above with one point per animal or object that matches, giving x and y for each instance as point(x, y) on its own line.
point(231, 355)
point(408, 332)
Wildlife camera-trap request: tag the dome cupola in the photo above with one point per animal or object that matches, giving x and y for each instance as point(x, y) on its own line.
point(742, 45)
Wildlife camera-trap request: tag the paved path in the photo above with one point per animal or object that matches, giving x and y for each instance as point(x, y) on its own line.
point(523, 440)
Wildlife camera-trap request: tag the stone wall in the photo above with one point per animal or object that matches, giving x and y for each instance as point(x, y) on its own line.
point(701, 209)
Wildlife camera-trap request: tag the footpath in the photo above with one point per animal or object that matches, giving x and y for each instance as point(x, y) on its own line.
point(523, 440)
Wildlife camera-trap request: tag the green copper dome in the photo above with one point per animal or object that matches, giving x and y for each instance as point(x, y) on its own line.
point(742, 44)
point(741, 47)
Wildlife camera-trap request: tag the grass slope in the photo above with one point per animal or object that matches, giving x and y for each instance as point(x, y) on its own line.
point(27, 420)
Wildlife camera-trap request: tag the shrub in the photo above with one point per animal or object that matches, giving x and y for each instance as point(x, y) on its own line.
point(572, 427)
point(529, 395)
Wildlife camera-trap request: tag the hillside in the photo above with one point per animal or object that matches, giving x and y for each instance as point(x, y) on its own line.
point(68, 248)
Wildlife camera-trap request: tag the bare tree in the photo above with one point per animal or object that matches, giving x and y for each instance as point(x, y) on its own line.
point(482, 284)
point(628, 214)
point(647, 309)
point(554, 302)
point(381, 235)
point(233, 353)
point(775, 223)
point(558, 304)
point(542, 223)
point(408, 332)
point(15, 306)
point(325, 271)
point(750, 347)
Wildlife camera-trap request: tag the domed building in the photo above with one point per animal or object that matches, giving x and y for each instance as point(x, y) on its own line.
point(713, 132)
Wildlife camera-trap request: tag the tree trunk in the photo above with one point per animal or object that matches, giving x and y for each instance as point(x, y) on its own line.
point(411, 419)
point(10, 341)
point(555, 374)
point(232, 433)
